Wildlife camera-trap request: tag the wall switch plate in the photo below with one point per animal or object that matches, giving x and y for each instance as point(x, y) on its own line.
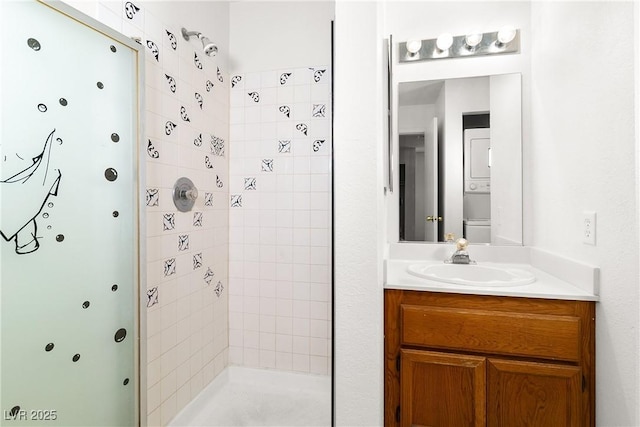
point(589, 227)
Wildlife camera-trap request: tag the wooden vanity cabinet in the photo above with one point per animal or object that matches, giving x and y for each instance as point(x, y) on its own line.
point(455, 360)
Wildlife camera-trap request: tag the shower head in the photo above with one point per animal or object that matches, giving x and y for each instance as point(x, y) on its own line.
point(209, 48)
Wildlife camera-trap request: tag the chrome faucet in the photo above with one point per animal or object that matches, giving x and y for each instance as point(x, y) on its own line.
point(460, 256)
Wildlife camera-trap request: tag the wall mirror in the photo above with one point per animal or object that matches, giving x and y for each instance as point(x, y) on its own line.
point(460, 159)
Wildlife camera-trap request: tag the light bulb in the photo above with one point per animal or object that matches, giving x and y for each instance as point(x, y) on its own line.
point(444, 41)
point(473, 39)
point(413, 46)
point(506, 35)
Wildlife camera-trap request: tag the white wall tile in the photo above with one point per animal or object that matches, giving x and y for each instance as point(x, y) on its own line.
point(285, 95)
point(284, 254)
point(236, 338)
point(252, 236)
point(318, 310)
point(236, 355)
point(301, 237)
point(268, 288)
point(300, 363)
point(301, 327)
point(282, 232)
point(268, 306)
point(267, 341)
point(318, 328)
point(251, 357)
point(301, 273)
point(196, 384)
point(251, 340)
point(318, 347)
point(252, 287)
point(251, 305)
point(300, 345)
point(302, 201)
point(252, 217)
point(284, 290)
point(318, 237)
point(284, 307)
point(267, 359)
point(168, 409)
point(319, 292)
point(153, 397)
point(301, 94)
point(236, 320)
point(284, 325)
point(251, 322)
point(284, 271)
point(284, 361)
point(318, 365)
point(284, 343)
point(252, 81)
point(268, 323)
point(252, 116)
point(320, 92)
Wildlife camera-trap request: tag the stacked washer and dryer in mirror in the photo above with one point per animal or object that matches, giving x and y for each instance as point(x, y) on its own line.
point(477, 185)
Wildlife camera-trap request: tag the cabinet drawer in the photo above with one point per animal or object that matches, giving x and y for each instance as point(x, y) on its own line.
point(485, 331)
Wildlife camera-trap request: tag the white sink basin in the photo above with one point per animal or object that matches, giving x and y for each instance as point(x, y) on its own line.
point(473, 274)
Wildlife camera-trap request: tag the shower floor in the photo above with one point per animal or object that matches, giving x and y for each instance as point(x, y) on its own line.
point(255, 397)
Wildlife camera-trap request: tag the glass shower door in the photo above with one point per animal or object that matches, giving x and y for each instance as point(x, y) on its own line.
point(69, 268)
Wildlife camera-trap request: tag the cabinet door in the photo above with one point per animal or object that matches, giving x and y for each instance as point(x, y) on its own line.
point(533, 394)
point(442, 390)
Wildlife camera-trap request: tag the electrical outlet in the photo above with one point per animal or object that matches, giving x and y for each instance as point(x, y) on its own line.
point(589, 227)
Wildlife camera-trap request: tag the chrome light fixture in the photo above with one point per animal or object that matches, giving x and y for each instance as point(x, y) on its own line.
point(444, 42)
point(472, 40)
point(475, 43)
point(505, 36)
point(413, 46)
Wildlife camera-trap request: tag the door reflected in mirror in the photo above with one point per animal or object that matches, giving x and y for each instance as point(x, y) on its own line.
point(460, 160)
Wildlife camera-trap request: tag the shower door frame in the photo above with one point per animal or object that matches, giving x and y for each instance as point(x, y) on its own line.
point(140, 271)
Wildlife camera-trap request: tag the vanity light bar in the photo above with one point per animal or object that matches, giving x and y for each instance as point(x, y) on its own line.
point(493, 43)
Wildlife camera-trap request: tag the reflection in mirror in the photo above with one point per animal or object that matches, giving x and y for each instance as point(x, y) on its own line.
point(460, 166)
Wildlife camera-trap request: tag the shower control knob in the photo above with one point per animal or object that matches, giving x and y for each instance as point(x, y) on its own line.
point(184, 194)
point(191, 194)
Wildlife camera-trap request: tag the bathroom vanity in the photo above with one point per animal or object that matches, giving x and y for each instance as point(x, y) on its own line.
point(464, 355)
point(478, 360)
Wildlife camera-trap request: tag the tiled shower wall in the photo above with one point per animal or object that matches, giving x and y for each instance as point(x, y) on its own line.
point(280, 213)
point(186, 126)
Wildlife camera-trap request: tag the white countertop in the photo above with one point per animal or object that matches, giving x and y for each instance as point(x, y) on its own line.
point(548, 286)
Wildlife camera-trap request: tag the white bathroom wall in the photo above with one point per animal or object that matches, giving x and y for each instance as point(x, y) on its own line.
point(359, 214)
point(270, 35)
point(280, 211)
point(187, 253)
point(583, 158)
